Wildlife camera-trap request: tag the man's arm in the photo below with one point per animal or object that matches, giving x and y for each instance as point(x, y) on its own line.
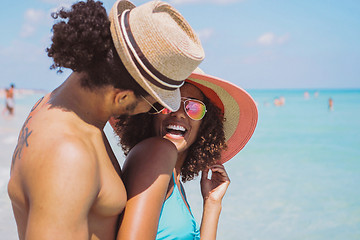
point(61, 187)
point(146, 175)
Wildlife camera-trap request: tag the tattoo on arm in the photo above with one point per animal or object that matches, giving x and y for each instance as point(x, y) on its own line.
point(37, 104)
point(24, 135)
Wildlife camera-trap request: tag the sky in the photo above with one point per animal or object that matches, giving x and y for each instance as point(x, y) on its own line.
point(256, 44)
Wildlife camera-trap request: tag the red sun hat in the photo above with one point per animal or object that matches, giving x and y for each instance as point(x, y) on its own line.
point(239, 109)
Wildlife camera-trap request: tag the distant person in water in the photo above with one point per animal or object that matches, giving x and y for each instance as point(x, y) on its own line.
point(306, 95)
point(279, 101)
point(6, 107)
point(9, 100)
point(331, 104)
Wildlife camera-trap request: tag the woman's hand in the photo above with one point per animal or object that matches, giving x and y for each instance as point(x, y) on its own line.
point(215, 188)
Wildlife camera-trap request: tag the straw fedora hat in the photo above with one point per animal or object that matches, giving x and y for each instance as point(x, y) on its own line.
point(239, 109)
point(157, 46)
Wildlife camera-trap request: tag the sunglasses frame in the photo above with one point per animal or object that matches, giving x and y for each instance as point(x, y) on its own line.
point(153, 107)
point(184, 100)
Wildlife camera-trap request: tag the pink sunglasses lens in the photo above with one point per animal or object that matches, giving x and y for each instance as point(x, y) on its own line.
point(195, 110)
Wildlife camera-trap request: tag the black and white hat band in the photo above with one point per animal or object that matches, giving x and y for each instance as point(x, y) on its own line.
point(148, 71)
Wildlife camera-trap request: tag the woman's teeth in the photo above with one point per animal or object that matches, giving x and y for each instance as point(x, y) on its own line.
point(175, 129)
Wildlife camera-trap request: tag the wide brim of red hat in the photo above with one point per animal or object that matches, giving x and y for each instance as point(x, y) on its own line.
point(239, 108)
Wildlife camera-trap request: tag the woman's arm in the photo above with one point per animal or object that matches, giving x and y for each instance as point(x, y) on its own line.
point(146, 175)
point(213, 190)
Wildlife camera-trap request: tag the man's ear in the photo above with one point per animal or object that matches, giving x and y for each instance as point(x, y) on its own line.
point(123, 97)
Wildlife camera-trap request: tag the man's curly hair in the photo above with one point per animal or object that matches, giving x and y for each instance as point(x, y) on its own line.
point(82, 42)
point(203, 153)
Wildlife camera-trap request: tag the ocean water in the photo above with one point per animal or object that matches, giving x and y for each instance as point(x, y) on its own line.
point(297, 178)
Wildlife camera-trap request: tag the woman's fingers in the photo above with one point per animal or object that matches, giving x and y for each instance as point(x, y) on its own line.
point(204, 174)
point(220, 169)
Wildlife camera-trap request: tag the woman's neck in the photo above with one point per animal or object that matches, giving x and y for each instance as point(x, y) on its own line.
point(180, 161)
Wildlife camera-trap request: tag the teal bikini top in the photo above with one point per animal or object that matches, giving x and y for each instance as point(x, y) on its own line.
point(176, 221)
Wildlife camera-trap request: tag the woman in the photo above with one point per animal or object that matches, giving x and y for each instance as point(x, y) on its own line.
point(214, 122)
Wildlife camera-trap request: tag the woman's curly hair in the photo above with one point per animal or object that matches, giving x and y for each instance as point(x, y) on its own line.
point(203, 153)
point(82, 42)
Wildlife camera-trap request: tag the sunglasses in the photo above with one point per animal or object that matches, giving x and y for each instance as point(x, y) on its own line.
point(194, 108)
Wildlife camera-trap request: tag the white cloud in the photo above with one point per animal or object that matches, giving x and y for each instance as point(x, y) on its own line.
point(34, 16)
point(268, 39)
point(32, 20)
point(205, 34)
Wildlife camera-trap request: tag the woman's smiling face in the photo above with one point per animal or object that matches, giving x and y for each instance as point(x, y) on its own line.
point(178, 127)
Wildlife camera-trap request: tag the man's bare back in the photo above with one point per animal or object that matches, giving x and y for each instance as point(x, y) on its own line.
point(66, 166)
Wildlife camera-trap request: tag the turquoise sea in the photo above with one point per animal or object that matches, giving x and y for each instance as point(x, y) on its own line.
point(298, 177)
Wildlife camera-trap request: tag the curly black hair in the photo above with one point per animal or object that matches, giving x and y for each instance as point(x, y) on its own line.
point(203, 153)
point(82, 42)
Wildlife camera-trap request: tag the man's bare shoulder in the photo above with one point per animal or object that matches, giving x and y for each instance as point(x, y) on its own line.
point(54, 150)
point(52, 169)
point(62, 152)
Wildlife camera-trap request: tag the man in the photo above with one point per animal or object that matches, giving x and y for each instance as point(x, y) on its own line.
point(65, 180)
point(9, 100)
